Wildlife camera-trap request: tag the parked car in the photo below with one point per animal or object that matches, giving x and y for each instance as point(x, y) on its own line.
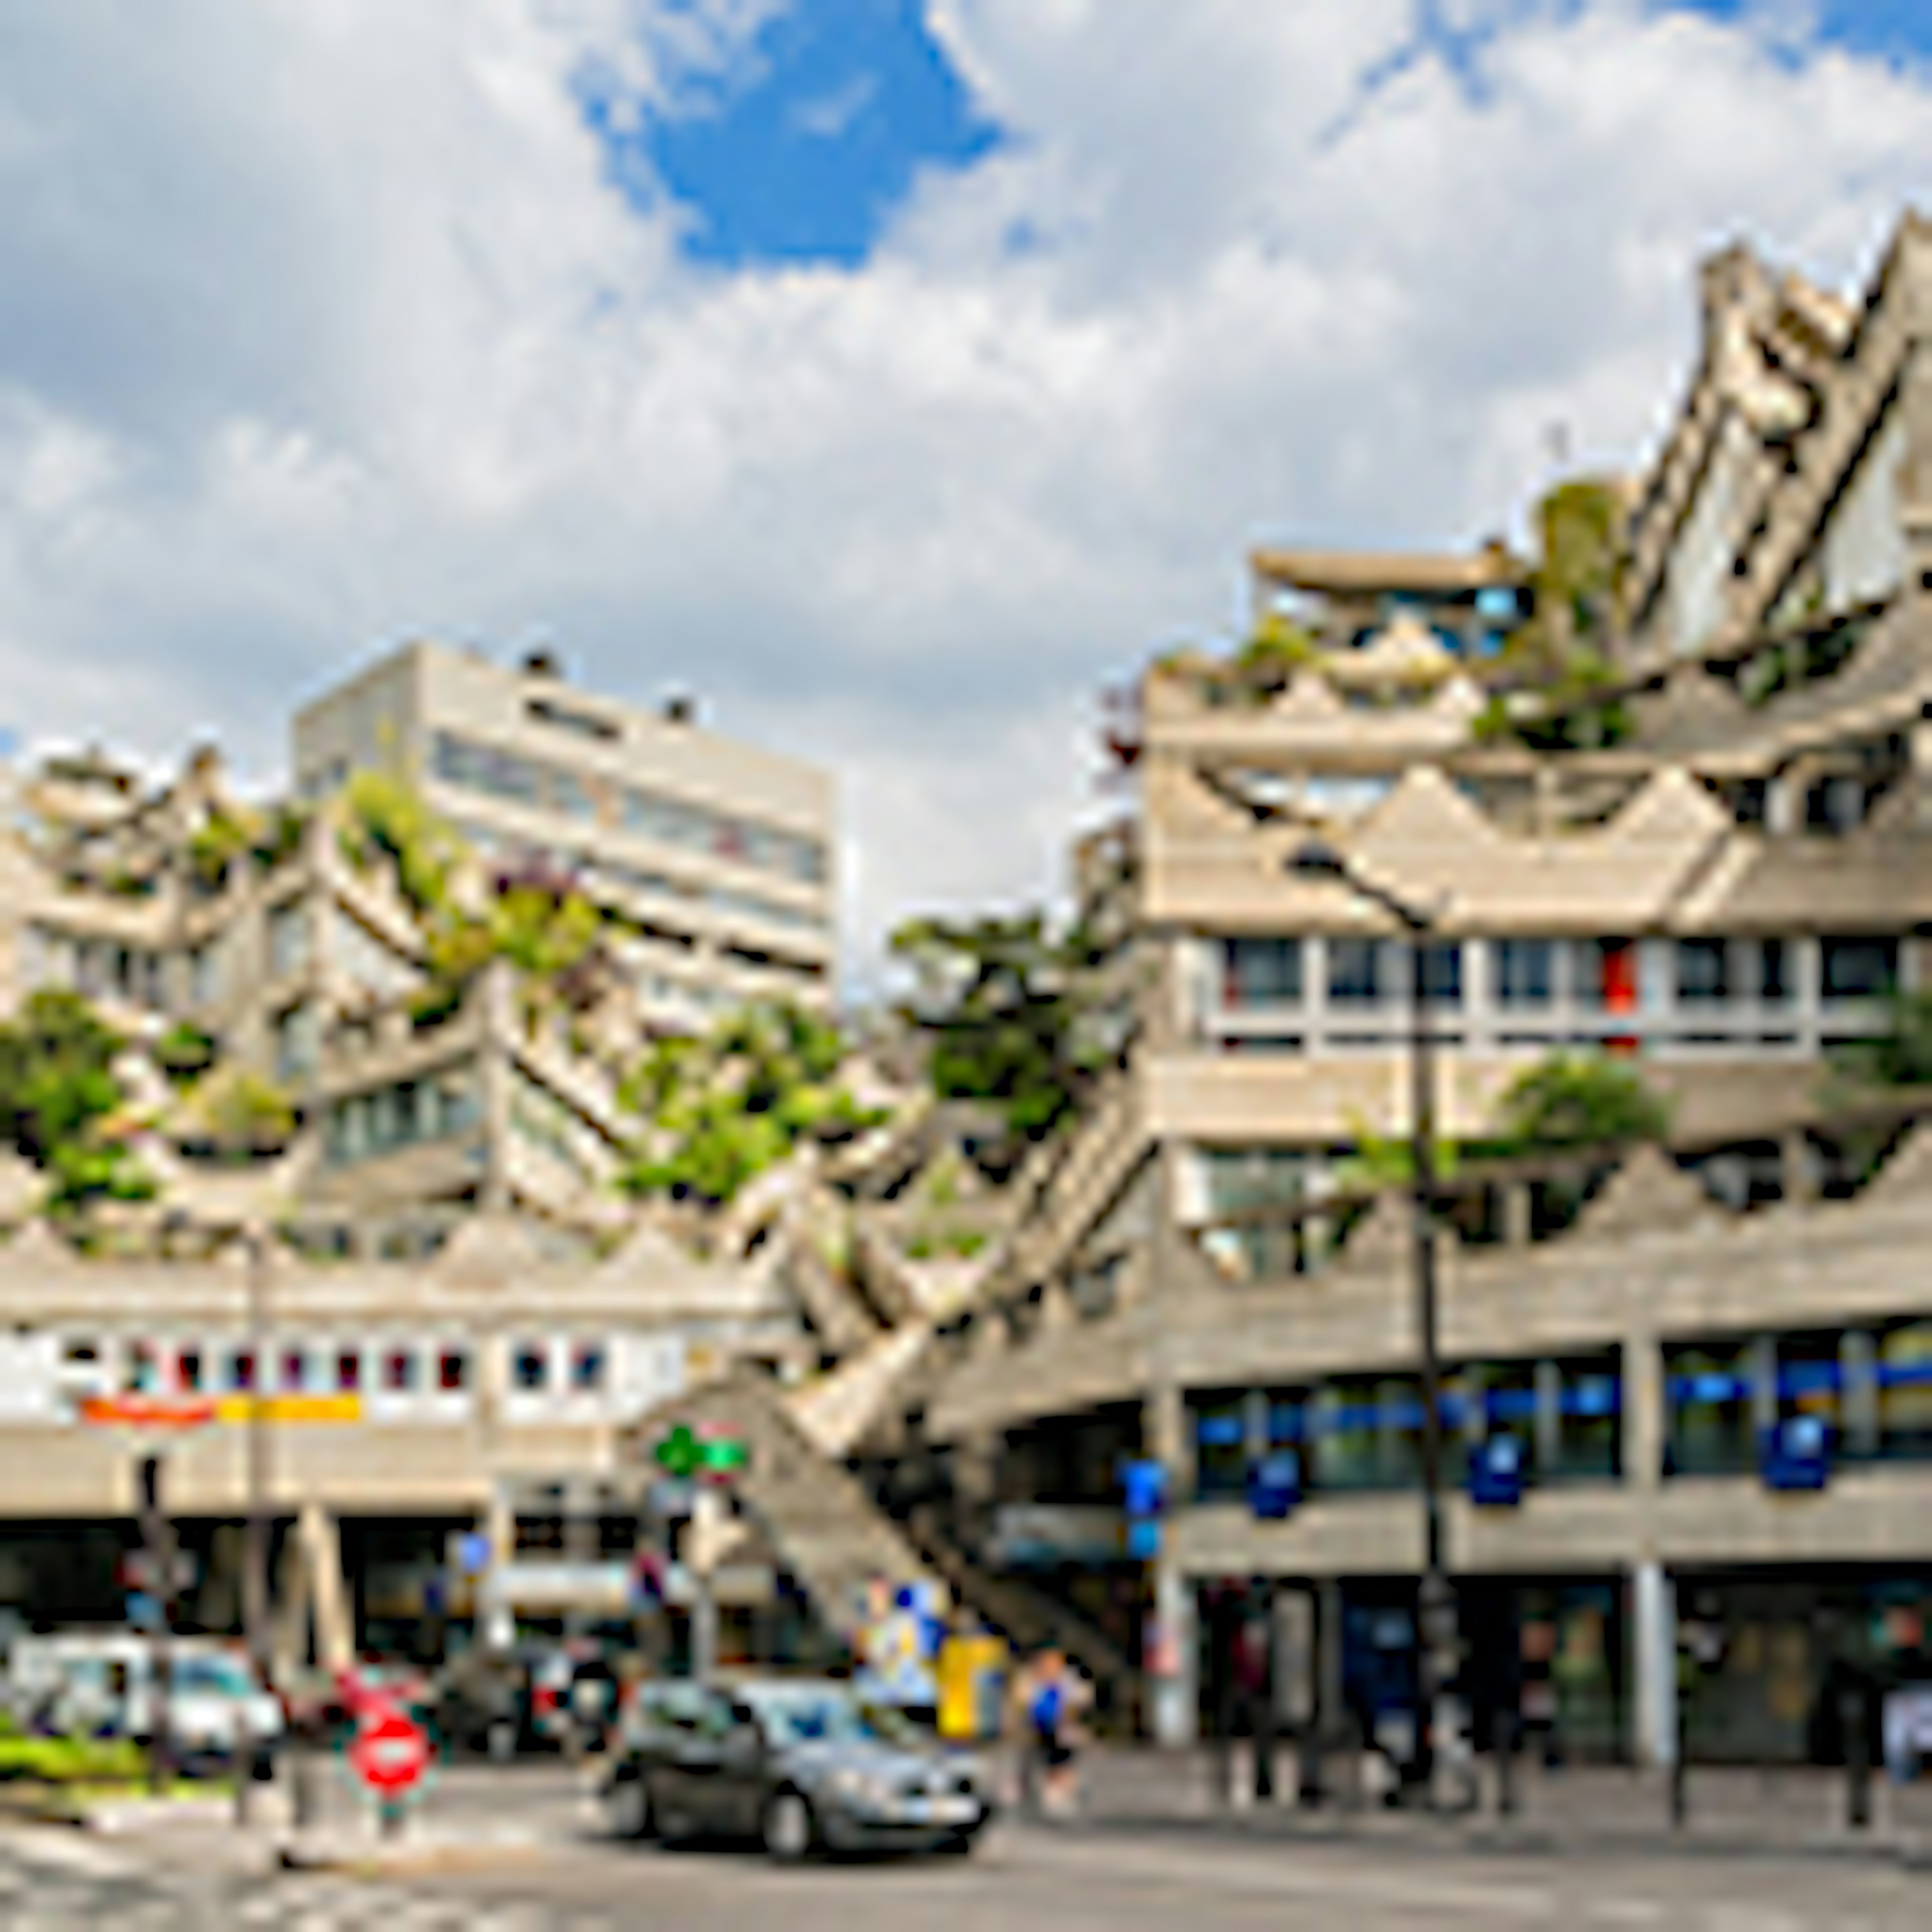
point(800, 1764)
point(108, 1683)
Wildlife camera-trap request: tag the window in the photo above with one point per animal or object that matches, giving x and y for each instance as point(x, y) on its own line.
point(1703, 974)
point(288, 940)
point(1356, 971)
point(1261, 972)
point(294, 1044)
point(1367, 1433)
point(188, 1367)
point(1904, 1373)
point(1220, 1444)
point(242, 1369)
point(1774, 971)
point(144, 1374)
point(399, 1370)
point(569, 794)
point(348, 1370)
point(587, 1368)
point(295, 1369)
point(1857, 969)
point(1442, 973)
point(452, 1370)
point(1710, 1431)
point(1589, 1431)
point(530, 1368)
point(1525, 972)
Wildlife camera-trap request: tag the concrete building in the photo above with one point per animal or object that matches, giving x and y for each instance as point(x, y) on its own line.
point(1722, 885)
point(722, 855)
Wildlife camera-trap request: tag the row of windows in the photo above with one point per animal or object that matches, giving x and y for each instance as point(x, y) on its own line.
point(1364, 1432)
point(501, 774)
point(411, 1112)
point(1528, 973)
point(401, 1368)
point(1871, 1386)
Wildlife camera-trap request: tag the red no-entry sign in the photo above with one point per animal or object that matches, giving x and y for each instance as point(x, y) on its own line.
point(390, 1753)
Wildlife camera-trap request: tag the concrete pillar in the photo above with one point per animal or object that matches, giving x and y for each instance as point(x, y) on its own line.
point(320, 1535)
point(1654, 1598)
point(1798, 1178)
point(1516, 1205)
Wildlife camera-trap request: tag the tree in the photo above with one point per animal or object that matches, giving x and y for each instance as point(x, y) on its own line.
point(58, 1097)
point(1007, 1006)
point(1578, 1100)
point(722, 1110)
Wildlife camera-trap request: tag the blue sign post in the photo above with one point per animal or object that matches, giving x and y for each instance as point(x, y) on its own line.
point(1144, 1491)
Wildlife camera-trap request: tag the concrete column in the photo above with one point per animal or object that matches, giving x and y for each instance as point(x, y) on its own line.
point(320, 1536)
point(1516, 1204)
point(1858, 1358)
point(1654, 1598)
point(1645, 1416)
point(1798, 1181)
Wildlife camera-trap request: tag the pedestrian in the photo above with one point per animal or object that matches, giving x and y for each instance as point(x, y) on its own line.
point(1057, 1700)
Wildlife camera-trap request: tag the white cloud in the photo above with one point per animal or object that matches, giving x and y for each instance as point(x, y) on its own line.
point(327, 324)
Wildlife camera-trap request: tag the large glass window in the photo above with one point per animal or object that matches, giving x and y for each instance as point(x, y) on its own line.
point(1703, 972)
point(1857, 969)
point(1442, 973)
point(1367, 1433)
point(1904, 1376)
point(1588, 1430)
point(1358, 972)
point(1261, 972)
point(1774, 971)
point(1711, 1432)
point(1220, 1444)
point(1526, 971)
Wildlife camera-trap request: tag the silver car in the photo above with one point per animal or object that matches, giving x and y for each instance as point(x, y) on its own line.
point(799, 1764)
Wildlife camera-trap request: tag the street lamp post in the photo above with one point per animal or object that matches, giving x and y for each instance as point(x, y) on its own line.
point(1436, 1645)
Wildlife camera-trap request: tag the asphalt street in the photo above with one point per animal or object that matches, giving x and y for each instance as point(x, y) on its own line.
point(51, 1881)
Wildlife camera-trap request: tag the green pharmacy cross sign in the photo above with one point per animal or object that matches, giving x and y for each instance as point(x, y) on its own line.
point(686, 1452)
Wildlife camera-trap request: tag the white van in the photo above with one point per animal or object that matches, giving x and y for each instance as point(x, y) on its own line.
point(104, 1684)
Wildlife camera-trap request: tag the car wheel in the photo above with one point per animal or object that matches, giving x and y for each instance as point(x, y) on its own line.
point(959, 1846)
point(789, 1828)
point(629, 1803)
point(500, 1740)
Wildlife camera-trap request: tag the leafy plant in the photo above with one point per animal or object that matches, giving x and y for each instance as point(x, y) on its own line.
point(388, 820)
point(240, 1111)
point(216, 843)
point(281, 838)
point(1278, 648)
point(1577, 1099)
point(1006, 1005)
point(1902, 1055)
point(185, 1052)
point(58, 1095)
point(723, 1109)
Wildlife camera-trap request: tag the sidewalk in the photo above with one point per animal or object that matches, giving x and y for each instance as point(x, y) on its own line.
point(1797, 1812)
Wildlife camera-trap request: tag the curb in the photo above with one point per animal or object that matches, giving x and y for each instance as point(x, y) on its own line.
point(405, 1860)
point(1528, 1841)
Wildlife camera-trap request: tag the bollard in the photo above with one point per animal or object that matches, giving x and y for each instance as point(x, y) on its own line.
point(303, 1795)
point(389, 1818)
point(1309, 1793)
point(1506, 1764)
point(1855, 1721)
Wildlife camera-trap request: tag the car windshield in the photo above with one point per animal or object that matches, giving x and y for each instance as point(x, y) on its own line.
point(810, 1713)
point(218, 1676)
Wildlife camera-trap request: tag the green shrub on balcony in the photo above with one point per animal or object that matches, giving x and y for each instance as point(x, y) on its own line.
point(185, 1052)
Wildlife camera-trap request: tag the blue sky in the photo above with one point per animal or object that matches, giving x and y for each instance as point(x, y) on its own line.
point(801, 150)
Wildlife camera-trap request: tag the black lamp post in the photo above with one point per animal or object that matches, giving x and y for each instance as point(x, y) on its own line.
point(1436, 1650)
